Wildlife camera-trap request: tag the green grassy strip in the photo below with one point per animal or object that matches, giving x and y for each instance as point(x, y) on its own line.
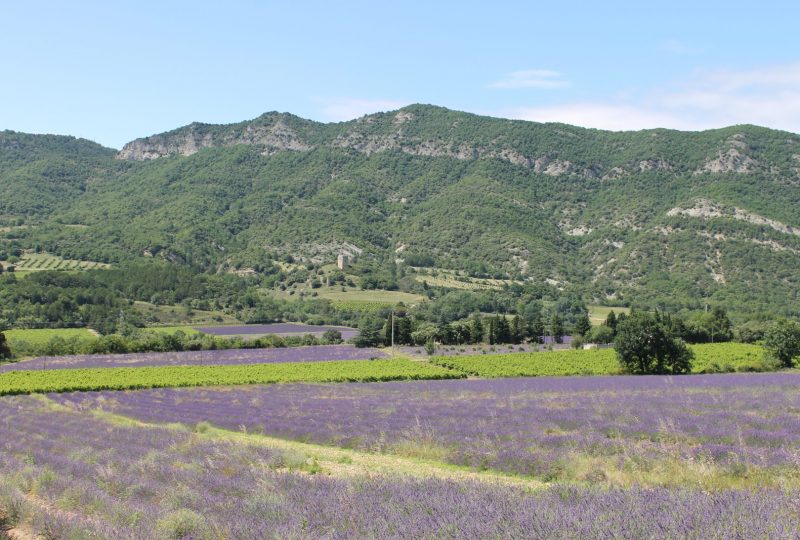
point(73, 380)
point(736, 356)
point(41, 336)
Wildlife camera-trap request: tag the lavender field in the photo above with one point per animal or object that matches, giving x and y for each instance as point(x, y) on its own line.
point(316, 353)
point(70, 474)
point(281, 329)
point(606, 428)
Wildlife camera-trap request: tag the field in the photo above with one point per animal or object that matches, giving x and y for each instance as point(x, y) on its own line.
point(32, 262)
point(281, 329)
point(42, 336)
point(179, 316)
point(552, 429)
point(83, 475)
point(355, 300)
point(727, 356)
point(224, 357)
point(598, 314)
point(126, 378)
point(451, 280)
point(290, 443)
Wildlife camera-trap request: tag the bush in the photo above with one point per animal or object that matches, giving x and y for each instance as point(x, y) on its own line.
point(645, 345)
point(183, 524)
point(782, 341)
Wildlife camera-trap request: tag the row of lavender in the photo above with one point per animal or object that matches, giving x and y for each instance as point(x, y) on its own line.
point(82, 477)
point(534, 426)
point(318, 353)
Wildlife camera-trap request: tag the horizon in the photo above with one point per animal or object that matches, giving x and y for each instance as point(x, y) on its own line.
point(112, 74)
point(390, 111)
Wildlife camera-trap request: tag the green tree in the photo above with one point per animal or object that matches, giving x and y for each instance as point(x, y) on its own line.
point(611, 320)
point(583, 325)
point(502, 330)
point(782, 341)
point(646, 346)
point(475, 329)
point(5, 350)
point(536, 330)
point(557, 328)
point(516, 330)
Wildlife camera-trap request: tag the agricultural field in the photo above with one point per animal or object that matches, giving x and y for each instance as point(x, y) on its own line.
point(180, 316)
point(74, 474)
point(598, 314)
point(372, 300)
point(712, 357)
point(127, 378)
point(222, 357)
point(34, 262)
point(41, 336)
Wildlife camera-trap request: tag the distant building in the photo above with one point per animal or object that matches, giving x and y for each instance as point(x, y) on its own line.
point(342, 261)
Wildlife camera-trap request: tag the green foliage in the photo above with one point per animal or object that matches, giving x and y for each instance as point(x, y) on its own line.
point(710, 358)
point(72, 380)
point(238, 207)
point(645, 345)
point(5, 350)
point(782, 341)
point(538, 364)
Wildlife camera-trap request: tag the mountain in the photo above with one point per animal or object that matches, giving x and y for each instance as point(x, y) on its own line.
point(657, 217)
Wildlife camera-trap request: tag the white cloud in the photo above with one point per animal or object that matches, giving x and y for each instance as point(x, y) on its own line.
point(767, 96)
point(349, 108)
point(532, 78)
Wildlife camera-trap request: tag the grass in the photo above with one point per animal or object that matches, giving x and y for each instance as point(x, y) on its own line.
point(78, 380)
point(171, 315)
point(43, 336)
point(598, 314)
point(188, 330)
point(384, 297)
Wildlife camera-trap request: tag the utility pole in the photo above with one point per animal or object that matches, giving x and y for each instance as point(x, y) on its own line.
point(393, 332)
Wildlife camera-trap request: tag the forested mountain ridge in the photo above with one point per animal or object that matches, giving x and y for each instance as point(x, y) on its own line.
point(659, 216)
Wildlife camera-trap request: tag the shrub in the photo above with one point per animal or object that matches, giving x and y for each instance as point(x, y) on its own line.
point(646, 346)
point(182, 524)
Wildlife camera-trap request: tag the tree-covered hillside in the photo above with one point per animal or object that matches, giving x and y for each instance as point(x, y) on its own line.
point(658, 218)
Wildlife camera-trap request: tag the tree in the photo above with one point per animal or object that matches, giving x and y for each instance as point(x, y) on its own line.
point(475, 329)
point(583, 325)
point(5, 350)
point(516, 330)
point(332, 336)
point(502, 329)
point(600, 334)
point(369, 332)
point(537, 330)
point(782, 341)
point(557, 328)
point(611, 320)
point(646, 346)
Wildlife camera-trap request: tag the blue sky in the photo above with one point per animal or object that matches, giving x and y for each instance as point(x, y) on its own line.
point(114, 71)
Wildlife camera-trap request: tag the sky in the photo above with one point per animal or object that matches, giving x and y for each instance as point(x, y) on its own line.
point(115, 71)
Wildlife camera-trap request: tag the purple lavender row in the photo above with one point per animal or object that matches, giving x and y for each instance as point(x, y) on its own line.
point(529, 426)
point(278, 328)
point(127, 482)
point(316, 353)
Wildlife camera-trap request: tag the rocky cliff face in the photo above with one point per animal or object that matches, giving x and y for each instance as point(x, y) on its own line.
point(436, 132)
point(270, 133)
